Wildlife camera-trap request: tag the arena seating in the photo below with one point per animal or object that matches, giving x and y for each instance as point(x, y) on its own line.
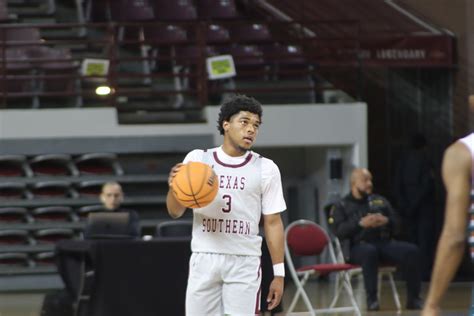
point(83, 211)
point(52, 189)
point(14, 191)
point(46, 258)
point(15, 259)
point(98, 164)
point(4, 17)
point(155, 46)
point(47, 198)
point(52, 235)
point(15, 237)
point(53, 165)
point(183, 10)
point(14, 166)
point(14, 215)
point(53, 214)
point(217, 9)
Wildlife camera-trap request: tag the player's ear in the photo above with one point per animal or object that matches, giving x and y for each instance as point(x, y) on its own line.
point(225, 125)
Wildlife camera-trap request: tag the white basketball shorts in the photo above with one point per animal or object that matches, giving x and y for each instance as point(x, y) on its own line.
point(220, 284)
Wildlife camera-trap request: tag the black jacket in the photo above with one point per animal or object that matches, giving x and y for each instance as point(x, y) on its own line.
point(346, 214)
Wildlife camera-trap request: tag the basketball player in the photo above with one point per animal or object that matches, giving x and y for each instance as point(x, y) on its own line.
point(224, 275)
point(457, 176)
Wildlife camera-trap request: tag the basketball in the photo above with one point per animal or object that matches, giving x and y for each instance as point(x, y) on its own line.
point(195, 185)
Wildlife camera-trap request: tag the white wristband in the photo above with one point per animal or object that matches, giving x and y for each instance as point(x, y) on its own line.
point(279, 269)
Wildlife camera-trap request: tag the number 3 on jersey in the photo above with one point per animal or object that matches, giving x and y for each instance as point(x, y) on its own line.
point(228, 203)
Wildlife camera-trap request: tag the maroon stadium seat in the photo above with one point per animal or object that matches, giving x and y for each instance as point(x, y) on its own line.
point(168, 34)
point(90, 188)
point(52, 189)
point(47, 258)
point(53, 165)
point(249, 33)
point(217, 9)
point(14, 166)
point(98, 164)
point(217, 34)
point(83, 212)
point(247, 55)
point(15, 237)
point(52, 235)
point(14, 215)
point(14, 259)
point(131, 10)
point(53, 214)
point(13, 64)
point(14, 190)
point(4, 17)
point(180, 10)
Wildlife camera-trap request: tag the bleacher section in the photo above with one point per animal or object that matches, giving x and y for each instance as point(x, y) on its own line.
point(283, 50)
point(157, 52)
point(51, 201)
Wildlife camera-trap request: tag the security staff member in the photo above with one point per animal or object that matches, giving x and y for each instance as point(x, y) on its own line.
point(368, 221)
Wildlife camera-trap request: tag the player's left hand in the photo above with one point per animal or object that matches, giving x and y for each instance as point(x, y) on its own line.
point(173, 173)
point(275, 293)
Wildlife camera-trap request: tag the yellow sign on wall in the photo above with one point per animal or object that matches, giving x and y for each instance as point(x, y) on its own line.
point(220, 67)
point(95, 67)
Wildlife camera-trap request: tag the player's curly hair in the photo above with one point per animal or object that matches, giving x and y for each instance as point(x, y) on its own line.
point(234, 105)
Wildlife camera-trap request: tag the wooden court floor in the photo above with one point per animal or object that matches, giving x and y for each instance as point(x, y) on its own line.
point(456, 302)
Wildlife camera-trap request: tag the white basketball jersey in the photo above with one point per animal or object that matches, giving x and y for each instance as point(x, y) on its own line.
point(248, 186)
point(469, 142)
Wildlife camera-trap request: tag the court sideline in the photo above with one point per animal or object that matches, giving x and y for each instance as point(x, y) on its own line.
point(455, 303)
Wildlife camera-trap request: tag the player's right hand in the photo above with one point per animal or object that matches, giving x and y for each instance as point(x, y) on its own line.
point(173, 173)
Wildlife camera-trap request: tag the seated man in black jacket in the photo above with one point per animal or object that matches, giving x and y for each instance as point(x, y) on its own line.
point(112, 198)
point(368, 221)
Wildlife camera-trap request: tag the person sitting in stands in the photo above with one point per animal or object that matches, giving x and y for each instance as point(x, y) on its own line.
point(368, 221)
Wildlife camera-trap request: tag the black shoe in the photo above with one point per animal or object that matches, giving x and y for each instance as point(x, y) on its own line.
point(373, 305)
point(416, 303)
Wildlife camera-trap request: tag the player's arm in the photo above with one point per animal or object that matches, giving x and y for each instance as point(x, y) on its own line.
point(274, 235)
point(456, 172)
point(174, 208)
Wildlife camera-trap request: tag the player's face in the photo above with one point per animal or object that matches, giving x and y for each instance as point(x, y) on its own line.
point(241, 130)
point(363, 183)
point(111, 197)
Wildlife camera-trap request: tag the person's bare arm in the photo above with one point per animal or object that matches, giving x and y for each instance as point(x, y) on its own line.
point(456, 172)
point(175, 209)
point(274, 235)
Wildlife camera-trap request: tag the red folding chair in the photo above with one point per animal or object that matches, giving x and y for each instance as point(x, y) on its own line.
point(304, 238)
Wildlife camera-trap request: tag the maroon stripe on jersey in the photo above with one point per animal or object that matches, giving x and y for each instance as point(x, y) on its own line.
point(243, 163)
point(257, 303)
